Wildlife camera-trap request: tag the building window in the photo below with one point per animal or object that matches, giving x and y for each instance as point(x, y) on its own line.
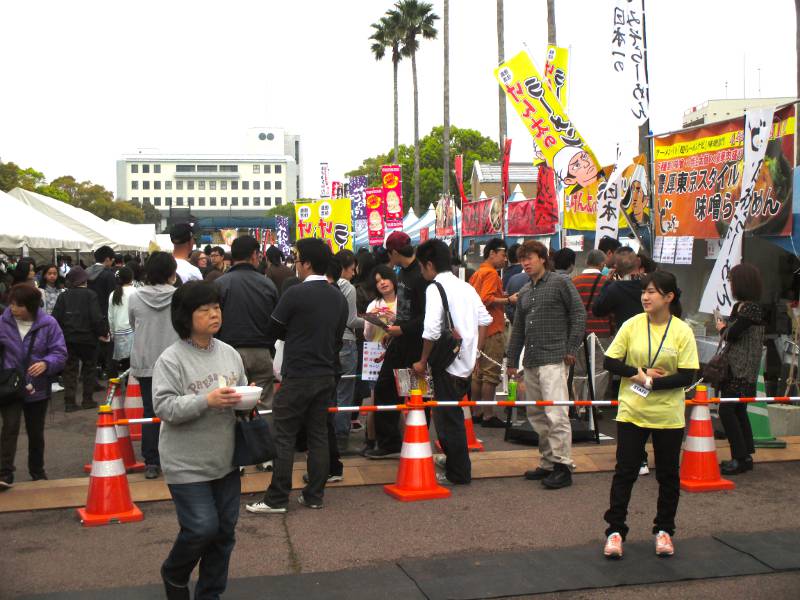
point(278, 169)
point(223, 185)
point(178, 201)
point(156, 185)
point(229, 168)
point(256, 168)
point(267, 201)
point(256, 201)
point(190, 185)
point(156, 201)
point(134, 168)
point(245, 201)
point(201, 201)
point(184, 168)
point(167, 185)
point(191, 201)
point(245, 185)
point(212, 185)
point(156, 168)
point(267, 169)
point(212, 201)
point(145, 185)
point(234, 185)
point(134, 185)
point(135, 199)
point(234, 201)
point(145, 168)
point(278, 185)
point(223, 201)
point(206, 168)
point(201, 185)
point(267, 185)
point(178, 185)
point(278, 201)
point(168, 201)
point(256, 185)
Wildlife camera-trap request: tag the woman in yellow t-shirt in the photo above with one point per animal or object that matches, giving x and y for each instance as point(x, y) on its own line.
point(655, 353)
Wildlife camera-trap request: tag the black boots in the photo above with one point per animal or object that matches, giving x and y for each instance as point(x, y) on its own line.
point(561, 477)
point(736, 465)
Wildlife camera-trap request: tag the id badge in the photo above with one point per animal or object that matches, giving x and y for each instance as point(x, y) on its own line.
point(639, 390)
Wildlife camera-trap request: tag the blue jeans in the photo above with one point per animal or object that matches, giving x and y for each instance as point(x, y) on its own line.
point(207, 513)
point(348, 359)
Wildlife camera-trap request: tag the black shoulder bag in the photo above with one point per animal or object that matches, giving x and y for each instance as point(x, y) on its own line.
point(715, 373)
point(447, 347)
point(12, 381)
point(254, 444)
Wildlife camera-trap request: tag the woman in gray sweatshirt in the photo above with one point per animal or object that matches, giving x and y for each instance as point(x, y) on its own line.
point(193, 397)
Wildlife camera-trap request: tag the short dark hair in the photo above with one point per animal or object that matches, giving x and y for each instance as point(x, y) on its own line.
point(136, 269)
point(532, 247)
point(219, 250)
point(207, 249)
point(746, 283)
point(274, 255)
point(512, 253)
point(22, 270)
point(103, 253)
point(187, 299)
point(564, 259)
point(386, 272)
point(334, 270)
point(493, 245)
point(435, 252)
point(346, 258)
point(27, 295)
point(243, 247)
point(608, 244)
point(316, 252)
point(160, 268)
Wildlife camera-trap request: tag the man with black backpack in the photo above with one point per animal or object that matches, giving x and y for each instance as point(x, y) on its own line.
point(456, 319)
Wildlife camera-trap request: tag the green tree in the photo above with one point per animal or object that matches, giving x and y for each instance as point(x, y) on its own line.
point(12, 176)
point(284, 210)
point(417, 20)
point(388, 36)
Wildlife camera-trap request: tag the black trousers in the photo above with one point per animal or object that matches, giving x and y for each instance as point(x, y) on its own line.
point(450, 426)
point(301, 402)
point(630, 447)
point(387, 423)
point(77, 354)
point(737, 429)
point(150, 431)
point(34, 413)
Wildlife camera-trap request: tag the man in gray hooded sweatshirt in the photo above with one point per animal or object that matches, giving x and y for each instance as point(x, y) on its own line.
point(151, 320)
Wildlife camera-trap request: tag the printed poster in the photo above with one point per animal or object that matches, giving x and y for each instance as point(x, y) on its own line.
point(372, 361)
point(329, 220)
point(699, 179)
point(358, 197)
point(445, 217)
point(392, 180)
point(375, 216)
point(282, 235)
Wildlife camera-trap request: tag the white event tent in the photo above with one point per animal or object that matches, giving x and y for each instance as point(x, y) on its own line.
point(98, 231)
point(142, 234)
point(23, 226)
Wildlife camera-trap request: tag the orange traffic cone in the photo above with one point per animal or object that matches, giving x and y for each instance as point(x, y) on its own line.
point(134, 409)
point(123, 436)
point(416, 477)
point(109, 498)
point(473, 443)
point(699, 467)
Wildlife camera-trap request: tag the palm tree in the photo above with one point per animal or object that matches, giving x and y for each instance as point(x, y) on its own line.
point(500, 59)
point(446, 128)
point(551, 22)
point(416, 20)
point(388, 35)
point(797, 42)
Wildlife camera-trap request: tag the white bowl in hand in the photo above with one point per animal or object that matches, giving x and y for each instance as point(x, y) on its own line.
point(250, 395)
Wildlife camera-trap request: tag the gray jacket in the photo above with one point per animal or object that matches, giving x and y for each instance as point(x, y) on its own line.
point(353, 320)
point(151, 320)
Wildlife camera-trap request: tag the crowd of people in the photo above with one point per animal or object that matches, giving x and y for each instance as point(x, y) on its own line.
point(192, 325)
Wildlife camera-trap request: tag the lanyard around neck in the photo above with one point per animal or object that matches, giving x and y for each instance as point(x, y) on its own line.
point(651, 362)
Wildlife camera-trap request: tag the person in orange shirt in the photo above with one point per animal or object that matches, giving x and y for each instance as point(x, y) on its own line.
point(489, 286)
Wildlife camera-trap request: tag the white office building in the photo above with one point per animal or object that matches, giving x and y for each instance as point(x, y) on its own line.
point(222, 189)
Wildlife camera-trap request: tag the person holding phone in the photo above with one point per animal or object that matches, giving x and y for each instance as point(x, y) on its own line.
point(655, 353)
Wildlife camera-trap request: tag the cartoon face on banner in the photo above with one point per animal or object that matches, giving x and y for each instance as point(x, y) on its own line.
point(375, 220)
point(329, 220)
point(392, 196)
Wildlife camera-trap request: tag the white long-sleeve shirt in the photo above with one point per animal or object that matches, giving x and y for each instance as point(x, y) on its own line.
point(468, 313)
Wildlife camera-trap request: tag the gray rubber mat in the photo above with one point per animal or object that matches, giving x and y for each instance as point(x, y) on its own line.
point(777, 549)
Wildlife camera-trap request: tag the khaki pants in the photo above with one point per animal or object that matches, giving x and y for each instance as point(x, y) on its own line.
point(258, 366)
point(551, 423)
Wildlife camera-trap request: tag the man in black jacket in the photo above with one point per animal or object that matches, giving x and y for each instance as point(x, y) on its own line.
point(405, 342)
point(247, 299)
point(621, 295)
point(78, 313)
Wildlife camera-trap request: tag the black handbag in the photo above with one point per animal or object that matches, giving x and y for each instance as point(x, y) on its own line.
point(254, 443)
point(715, 373)
point(447, 347)
point(12, 381)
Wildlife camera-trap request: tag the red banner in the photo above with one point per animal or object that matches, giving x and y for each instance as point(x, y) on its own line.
point(392, 179)
point(375, 220)
point(423, 234)
point(538, 216)
point(482, 217)
point(506, 160)
point(459, 168)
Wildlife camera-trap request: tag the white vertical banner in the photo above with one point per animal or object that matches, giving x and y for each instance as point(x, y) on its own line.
point(628, 55)
point(607, 221)
point(757, 128)
point(324, 181)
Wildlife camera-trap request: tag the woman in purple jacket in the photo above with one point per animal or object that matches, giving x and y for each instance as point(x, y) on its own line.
point(24, 326)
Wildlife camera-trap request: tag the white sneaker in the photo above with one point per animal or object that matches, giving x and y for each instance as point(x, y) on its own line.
point(266, 466)
point(263, 508)
point(440, 460)
point(644, 469)
point(664, 545)
point(613, 547)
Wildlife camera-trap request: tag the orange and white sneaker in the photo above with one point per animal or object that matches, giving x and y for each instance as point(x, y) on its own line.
point(664, 545)
point(613, 547)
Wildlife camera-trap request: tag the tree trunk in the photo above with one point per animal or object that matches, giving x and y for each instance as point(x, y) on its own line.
point(500, 59)
point(551, 22)
point(416, 133)
point(396, 118)
point(446, 127)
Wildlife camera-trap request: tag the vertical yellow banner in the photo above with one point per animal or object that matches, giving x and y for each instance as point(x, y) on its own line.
point(556, 72)
point(329, 220)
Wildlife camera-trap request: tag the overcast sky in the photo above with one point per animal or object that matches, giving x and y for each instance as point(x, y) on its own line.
point(86, 82)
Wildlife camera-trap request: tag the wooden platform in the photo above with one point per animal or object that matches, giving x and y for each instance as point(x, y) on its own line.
point(67, 493)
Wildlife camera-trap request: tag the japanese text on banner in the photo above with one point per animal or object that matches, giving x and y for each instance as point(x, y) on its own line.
point(282, 235)
point(628, 55)
point(324, 181)
point(376, 226)
point(329, 220)
point(358, 196)
point(555, 72)
point(392, 180)
point(758, 124)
